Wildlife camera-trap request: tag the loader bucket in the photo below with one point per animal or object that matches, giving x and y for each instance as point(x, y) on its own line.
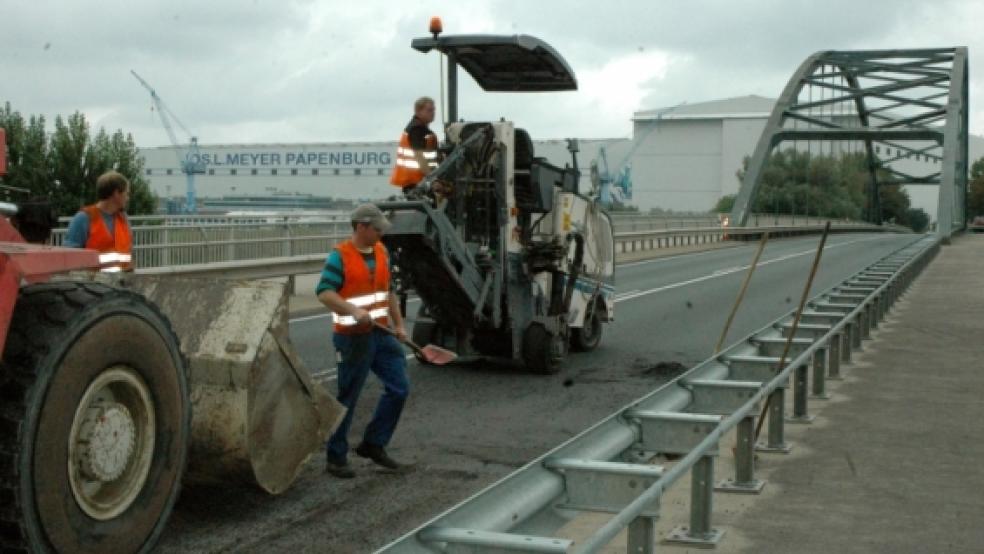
point(256, 414)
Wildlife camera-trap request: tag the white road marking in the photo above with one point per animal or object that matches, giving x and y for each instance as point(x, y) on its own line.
point(330, 374)
point(729, 271)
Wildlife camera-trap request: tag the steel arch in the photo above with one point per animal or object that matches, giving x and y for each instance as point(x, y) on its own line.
point(891, 109)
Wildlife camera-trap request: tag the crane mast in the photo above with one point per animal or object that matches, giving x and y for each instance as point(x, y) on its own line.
point(189, 155)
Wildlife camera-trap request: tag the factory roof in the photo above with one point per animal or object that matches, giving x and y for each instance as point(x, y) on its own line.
point(751, 106)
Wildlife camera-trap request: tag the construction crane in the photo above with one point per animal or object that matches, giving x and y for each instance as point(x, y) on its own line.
point(608, 189)
point(189, 155)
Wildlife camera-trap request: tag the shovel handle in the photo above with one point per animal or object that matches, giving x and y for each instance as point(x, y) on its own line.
point(391, 332)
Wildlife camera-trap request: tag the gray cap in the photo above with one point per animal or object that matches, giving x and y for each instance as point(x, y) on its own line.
point(369, 213)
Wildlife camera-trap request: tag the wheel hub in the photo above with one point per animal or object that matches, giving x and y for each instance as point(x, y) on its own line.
point(106, 441)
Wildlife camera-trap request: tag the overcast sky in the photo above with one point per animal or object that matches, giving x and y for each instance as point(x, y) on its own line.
point(250, 71)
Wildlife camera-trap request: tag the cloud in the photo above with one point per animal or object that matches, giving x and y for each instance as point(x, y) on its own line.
point(305, 70)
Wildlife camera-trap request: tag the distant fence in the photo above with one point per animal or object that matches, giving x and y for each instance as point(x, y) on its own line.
point(174, 241)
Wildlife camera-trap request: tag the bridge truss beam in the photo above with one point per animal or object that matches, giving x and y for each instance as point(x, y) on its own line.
point(890, 105)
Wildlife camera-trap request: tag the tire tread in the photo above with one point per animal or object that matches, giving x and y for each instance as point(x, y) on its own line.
point(43, 313)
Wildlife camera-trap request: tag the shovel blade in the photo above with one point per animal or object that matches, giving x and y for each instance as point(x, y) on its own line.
point(437, 355)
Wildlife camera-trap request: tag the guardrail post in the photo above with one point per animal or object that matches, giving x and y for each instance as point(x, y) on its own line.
point(820, 373)
point(859, 330)
point(776, 441)
point(800, 402)
point(642, 536)
point(699, 533)
point(744, 481)
point(834, 358)
point(847, 341)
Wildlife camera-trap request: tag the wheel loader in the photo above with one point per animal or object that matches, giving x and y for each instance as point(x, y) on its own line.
point(116, 388)
point(510, 260)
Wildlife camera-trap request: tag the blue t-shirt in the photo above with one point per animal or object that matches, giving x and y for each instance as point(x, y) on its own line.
point(333, 273)
point(78, 229)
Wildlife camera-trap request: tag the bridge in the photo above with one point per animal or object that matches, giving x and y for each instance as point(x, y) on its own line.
point(912, 101)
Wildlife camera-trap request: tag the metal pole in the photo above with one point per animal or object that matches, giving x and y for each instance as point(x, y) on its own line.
point(741, 292)
point(776, 441)
point(642, 536)
point(834, 357)
point(744, 481)
point(847, 340)
point(820, 374)
point(452, 87)
point(792, 332)
point(800, 387)
point(700, 532)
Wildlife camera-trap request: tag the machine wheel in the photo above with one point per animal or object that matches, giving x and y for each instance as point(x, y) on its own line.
point(94, 421)
point(588, 337)
point(542, 351)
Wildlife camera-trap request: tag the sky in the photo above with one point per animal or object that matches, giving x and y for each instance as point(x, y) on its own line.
point(293, 71)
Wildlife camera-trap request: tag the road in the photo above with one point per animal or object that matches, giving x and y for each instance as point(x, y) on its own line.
point(464, 428)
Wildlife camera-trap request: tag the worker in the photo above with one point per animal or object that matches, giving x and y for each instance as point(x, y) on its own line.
point(355, 286)
point(103, 226)
point(416, 155)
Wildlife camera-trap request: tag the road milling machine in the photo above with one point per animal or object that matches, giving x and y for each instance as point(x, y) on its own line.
point(509, 259)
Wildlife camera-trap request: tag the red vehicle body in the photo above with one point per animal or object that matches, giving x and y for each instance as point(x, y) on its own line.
point(24, 263)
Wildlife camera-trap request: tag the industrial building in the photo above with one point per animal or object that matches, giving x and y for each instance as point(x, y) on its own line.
point(306, 176)
point(682, 158)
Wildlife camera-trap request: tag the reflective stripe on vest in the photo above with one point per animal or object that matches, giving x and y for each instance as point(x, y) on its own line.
point(407, 171)
point(369, 292)
point(114, 262)
point(116, 248)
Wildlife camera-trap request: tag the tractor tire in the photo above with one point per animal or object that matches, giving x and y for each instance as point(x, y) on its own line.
point(94, 421)
point(588, 337)
point(542, 351)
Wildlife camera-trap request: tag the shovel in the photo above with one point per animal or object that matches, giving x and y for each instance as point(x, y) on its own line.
point(429, 354)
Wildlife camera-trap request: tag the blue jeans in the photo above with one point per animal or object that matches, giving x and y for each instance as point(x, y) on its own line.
point(382, 354)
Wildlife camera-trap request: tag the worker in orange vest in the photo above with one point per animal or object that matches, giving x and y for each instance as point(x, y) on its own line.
point(355, 286)
point(416, 155)
point(103, 226)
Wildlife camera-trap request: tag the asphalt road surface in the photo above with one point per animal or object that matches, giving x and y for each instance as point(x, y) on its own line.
point(466, 427)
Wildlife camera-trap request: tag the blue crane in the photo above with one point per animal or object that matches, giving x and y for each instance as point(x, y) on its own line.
point(611, 190)
point(189, 155)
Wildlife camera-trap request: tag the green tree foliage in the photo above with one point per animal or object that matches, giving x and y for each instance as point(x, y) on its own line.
point(724, 204)
point(975, 190)
point(63, 167)
point(797, 182)
point(918, 219)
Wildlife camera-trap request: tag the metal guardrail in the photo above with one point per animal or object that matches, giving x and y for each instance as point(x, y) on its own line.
point(633, 241)
point(600, 469)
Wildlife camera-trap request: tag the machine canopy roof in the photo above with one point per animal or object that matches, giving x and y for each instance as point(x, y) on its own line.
point(505, 63)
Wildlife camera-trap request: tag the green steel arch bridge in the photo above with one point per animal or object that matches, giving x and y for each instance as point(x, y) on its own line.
point(891, 105)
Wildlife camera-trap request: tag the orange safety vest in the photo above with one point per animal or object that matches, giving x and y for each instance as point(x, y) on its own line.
point(116, 248)
point(369, 292)
point(407, 171)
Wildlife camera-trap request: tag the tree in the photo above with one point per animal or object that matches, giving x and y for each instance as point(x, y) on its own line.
point(918, 219)
point(975, 190)
point(724, 204)
point(64, 166)
point(794, 181)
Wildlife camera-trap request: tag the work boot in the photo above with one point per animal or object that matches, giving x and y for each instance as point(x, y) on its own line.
point(342, 471)
point(379, 456)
